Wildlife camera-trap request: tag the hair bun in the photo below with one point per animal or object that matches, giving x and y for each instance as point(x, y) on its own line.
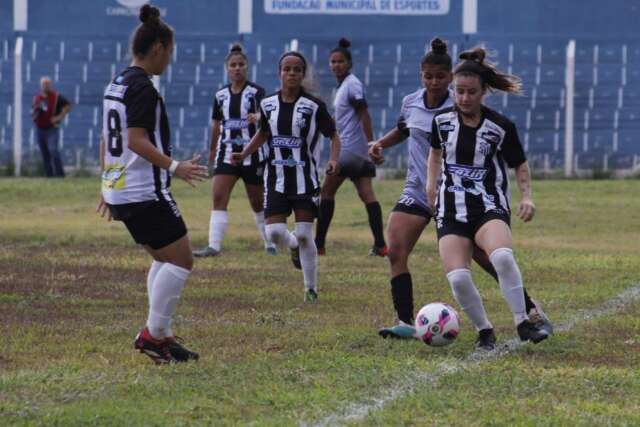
point(149, 14)
point(344, 43)
point(236, 47)
point(438, 46)
point(476, 55)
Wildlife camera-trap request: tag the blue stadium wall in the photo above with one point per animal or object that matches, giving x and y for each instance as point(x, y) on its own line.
point(581, 18)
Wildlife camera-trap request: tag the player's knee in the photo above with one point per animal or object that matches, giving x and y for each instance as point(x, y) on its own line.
point(220, 200)
point(460, 279)
point(275, 233)
point(397, 255)
point(503, 259)
point(304, 233)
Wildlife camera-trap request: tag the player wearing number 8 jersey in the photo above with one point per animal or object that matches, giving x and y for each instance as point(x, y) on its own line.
point(137, 165)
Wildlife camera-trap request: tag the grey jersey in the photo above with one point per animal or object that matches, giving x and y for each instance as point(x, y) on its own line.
point(348, 99)
point(415, 122)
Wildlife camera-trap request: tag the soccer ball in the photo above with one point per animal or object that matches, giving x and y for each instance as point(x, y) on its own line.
point(437, 324)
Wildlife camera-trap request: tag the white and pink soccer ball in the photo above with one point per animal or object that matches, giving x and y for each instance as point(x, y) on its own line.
point(437, 324)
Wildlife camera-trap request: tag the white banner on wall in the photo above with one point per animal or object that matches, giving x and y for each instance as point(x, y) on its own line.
point(357, 7)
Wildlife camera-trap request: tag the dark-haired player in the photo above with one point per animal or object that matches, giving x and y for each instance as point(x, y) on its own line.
point(137, 174)
point(354, 127)
point(235, 121)
point(412, 212)
point(291, 121)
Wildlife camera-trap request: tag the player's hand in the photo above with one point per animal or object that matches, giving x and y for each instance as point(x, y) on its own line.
point(237, 158)
point(526, 209)
point(103, 209)
point(253, 118)
point(375, 152)
point(190, 171)
point(332, 167)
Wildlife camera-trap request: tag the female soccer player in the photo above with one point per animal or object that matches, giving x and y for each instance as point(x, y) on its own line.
point(412, 213)
point(354, 127)
point(235, 117)
point(291, 121)
point(136, 178)
point(471, 148)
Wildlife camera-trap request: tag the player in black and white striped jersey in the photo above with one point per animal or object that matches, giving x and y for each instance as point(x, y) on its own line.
point(137, 165)
point(291, 122)
point(235, 121)
point(471, 148)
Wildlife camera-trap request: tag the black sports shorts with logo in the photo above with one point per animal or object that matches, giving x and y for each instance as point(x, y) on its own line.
point(156, 223)
point(251, 175)
point(276, 203)
point(469, 229)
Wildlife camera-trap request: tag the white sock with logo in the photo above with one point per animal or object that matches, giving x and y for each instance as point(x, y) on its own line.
point(308, 254)
point(151, 276)
point(468, 298)
point(218, 225)
point(167, 287)
point(510, 281)
point(280, 236)
point(260, 224)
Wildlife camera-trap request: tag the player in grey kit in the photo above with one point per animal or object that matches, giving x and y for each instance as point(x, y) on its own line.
point(412, 213)
point(354, 126)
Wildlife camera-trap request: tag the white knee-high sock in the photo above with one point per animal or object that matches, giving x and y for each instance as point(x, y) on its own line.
point(510, 281)
point(308, 254)
point(260, 224)
point(167, 288)
point(279, 235)
point(151, 276)
point(217, 227)
point(467, 296)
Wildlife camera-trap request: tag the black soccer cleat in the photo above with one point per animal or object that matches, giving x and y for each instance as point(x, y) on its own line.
point(530, 332)
point(538, 317)
point(295, 257)
point(157, 350)
point(486, 340)
point(179, 352)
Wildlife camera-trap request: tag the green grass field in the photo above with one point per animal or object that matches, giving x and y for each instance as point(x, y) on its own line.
point(73, 296)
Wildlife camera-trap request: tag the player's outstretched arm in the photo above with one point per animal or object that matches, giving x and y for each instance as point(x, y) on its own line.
point(393, 137)
point(526, 207)
point(256, 142)
point(188, 170)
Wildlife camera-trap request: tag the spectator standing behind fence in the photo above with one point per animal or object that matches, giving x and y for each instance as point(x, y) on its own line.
point(48, 110)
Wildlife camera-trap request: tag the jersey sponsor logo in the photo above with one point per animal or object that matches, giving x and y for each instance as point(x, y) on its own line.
point(236, 141)
point(269, 106)
point(461, 189)
point(236, 124)
point(113, 177)
point(490, 137)
point(115, 90)
point(468, 172)
point(288, 162)
point(286, 142)
point(446, 127)
point(303, 109)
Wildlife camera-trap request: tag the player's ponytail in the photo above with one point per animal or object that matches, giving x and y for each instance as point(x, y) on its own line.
point(438, 55)
point(474, 63)
point(236, 49)
point(343, 48)
point(151, 30)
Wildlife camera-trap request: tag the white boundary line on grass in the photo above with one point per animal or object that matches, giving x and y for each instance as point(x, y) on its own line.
point(358, 411)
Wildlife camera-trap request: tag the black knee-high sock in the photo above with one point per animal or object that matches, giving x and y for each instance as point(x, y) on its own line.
point(488, 267)
point(402, 294)
point(324, 220)
point(374, 211)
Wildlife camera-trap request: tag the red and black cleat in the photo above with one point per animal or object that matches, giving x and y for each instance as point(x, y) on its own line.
point(157, 350)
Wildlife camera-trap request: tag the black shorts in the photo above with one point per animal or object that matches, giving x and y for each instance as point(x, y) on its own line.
point(469, 229)
point(251, 175)
point(276, 203)
point(413, 208)
point(356, 168)
point(154, 223)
